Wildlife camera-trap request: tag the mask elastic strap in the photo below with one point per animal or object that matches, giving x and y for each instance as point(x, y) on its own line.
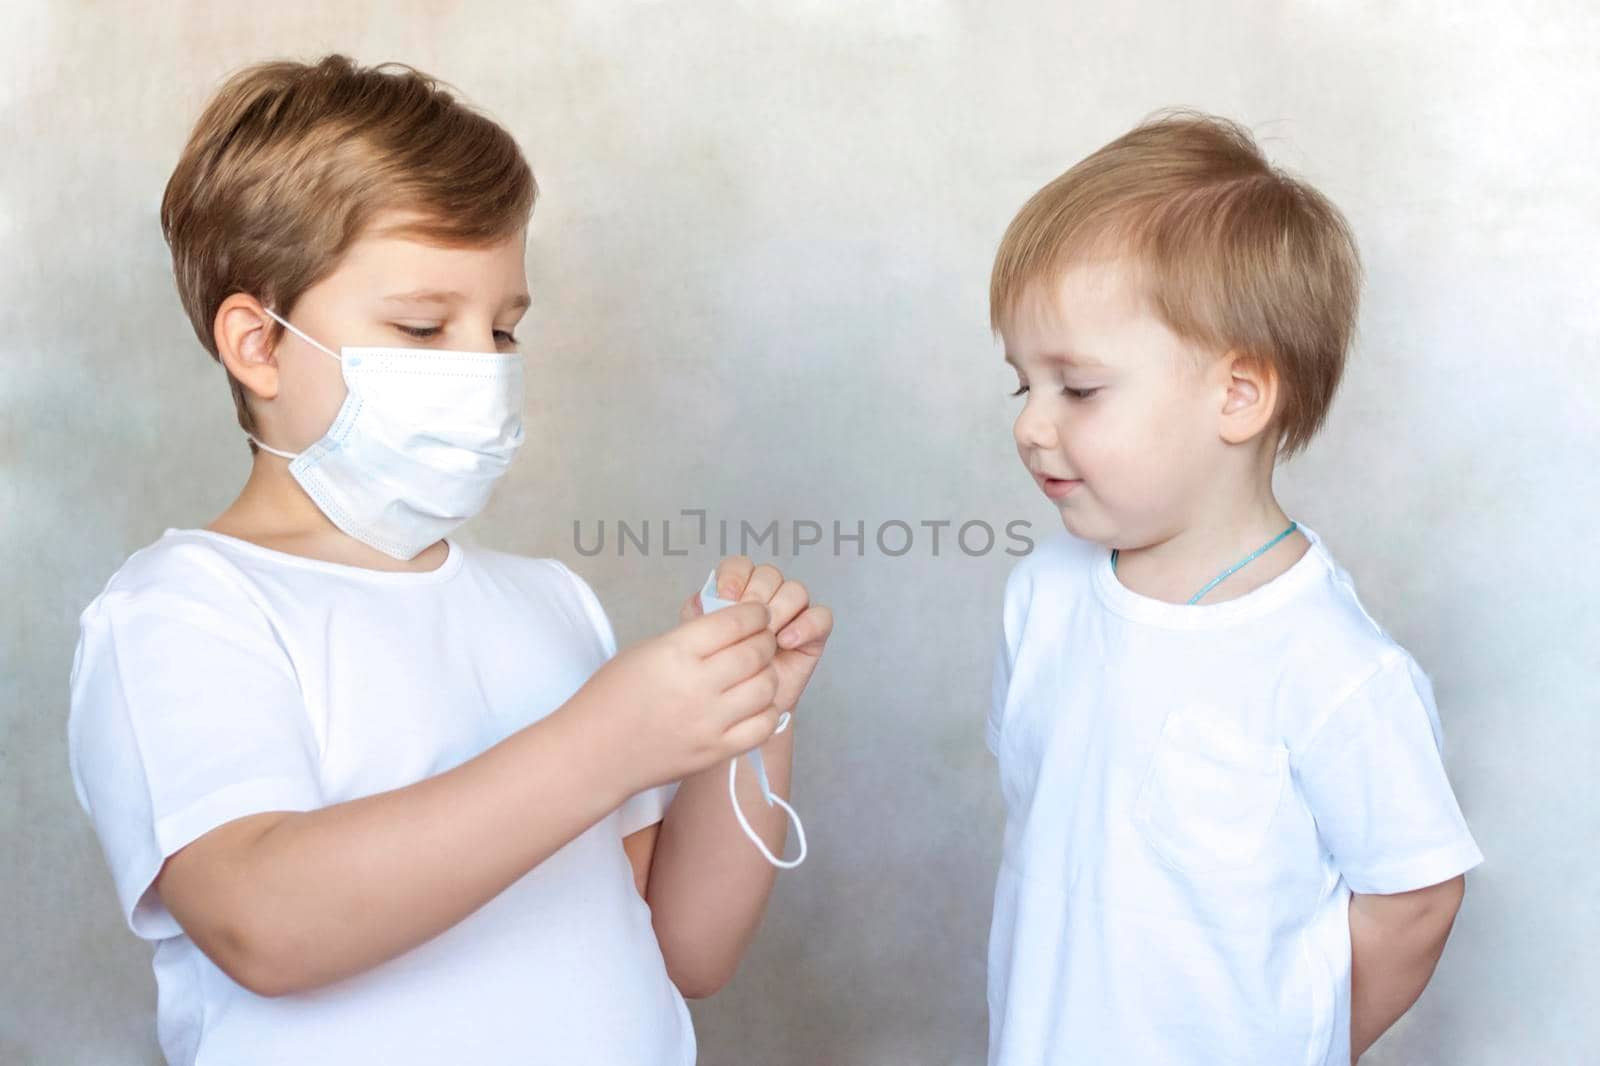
point(284, 322)
point(772, 800)
point(710, 601)
point(269, 448)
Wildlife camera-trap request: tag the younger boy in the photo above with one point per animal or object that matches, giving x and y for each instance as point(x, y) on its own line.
point(1229, 836)
point(375, 795)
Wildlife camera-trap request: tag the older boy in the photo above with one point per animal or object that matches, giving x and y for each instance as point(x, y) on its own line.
point(374, 795)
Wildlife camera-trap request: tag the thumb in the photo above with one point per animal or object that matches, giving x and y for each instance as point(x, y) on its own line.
point(690, 609)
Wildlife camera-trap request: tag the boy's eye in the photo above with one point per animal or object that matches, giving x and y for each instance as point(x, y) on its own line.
point(422, 333)
point(1076, 394)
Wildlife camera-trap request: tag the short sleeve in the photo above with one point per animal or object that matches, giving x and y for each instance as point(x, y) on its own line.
point(592, 610)
point(183, 717)
point(650, 806)
point(1008, 636)
point(1375, 782)
point(999, 686)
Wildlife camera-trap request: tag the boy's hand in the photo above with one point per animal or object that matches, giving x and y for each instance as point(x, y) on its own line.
point(689, 698)
point(800, 627)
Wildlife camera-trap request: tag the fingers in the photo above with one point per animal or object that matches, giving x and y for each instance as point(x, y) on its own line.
point(733, 573)
point(691, 609)
point(810, 630)
point(754, 695)
point(752, 732)
point(739, 662)
point(763, 584)
point(791, 615)
point(712, 632)
point(787, 603)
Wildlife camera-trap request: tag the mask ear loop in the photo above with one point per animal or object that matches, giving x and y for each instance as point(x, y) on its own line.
point(772, 800)
point(284, 322)
point(264, 446)
point(709, 601)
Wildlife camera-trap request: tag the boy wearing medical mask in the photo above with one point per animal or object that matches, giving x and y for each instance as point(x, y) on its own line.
point(375, 795)
point(1229, 835)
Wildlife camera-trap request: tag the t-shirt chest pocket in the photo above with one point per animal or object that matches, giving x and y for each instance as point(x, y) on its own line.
point(1210, 794)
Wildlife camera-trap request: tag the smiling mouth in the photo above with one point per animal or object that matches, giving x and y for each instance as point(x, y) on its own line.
point(1058, 487)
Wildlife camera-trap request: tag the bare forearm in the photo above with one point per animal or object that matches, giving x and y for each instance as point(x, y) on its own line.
point(708, 883)
point(1395, 944)
point(329, 893)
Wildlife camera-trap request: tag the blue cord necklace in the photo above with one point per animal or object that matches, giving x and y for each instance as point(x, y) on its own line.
point(1234, 569)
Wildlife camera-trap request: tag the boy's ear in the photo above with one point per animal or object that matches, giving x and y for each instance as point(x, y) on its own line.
point(1250, 396)
point(243, 332)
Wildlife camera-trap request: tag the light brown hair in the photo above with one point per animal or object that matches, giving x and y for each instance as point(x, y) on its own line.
point(1231, 253)
point(291, 162)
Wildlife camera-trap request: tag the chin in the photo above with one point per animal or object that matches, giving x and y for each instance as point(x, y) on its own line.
point(1095, 533)
point(1076, 526)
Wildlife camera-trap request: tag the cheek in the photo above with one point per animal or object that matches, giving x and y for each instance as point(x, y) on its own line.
point(314, 400)
point(1128, 451)
point(1169, 463)
point(1100, 441)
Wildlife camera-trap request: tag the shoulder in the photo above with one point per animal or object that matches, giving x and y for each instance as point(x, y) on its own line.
point(175, 606)
point(180, 572)
point(1344, 651)
point(545, 577)
point(548, 581)
point(1058, 564)
point(1333, 617)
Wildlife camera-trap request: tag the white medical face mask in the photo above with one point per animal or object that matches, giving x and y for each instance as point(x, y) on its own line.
point(710, 601)
point(417, 446)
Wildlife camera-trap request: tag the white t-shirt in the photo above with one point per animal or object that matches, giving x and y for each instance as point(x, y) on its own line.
point(1192, 793)
point(216, 679)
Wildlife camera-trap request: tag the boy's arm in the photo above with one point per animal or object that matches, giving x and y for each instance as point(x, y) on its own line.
point(1374, 753)
point(706, 884)
point(286, 902)
point(1395, 943)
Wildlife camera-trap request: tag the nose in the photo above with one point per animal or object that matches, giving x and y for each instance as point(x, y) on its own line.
point(1033, 429)
point(474, 333)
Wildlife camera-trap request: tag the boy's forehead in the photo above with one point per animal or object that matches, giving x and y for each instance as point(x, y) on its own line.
point(408, 248)
point(1063, 316)
point(400, 266)
point(1104, 285)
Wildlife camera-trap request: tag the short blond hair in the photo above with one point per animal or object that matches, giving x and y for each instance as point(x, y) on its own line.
point(291, 162)
point(1231, 252)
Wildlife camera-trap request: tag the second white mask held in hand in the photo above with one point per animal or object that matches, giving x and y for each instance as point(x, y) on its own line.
point(418, 445)
point(709, 602)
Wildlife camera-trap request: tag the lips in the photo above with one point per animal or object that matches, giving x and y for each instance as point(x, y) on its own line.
point(1056, 487)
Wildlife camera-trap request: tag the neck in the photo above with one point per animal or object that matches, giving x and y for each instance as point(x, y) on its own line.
point(272, 510)
point(1228, 527)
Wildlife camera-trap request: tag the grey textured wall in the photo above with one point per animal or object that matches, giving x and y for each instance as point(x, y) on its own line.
point(760, 266)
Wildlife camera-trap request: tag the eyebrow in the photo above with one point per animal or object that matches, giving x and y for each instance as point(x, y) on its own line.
point(520, 302)
point(1069, 358)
